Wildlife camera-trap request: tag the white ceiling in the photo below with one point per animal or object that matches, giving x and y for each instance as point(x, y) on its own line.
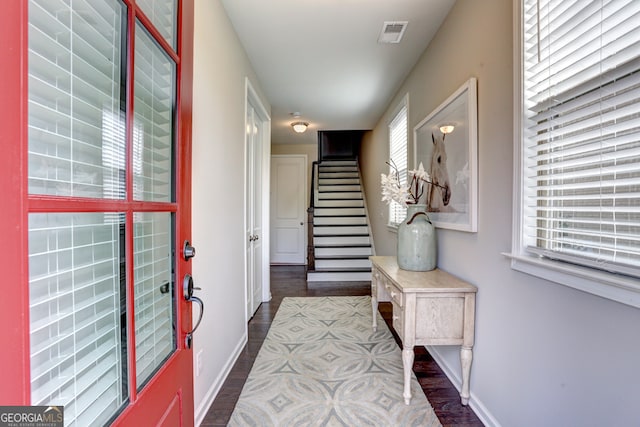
point(321, 57)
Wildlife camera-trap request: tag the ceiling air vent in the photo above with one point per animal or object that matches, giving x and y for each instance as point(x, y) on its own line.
point(392, 32)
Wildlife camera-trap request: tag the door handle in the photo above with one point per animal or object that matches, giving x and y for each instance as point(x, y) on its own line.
point(187, 291)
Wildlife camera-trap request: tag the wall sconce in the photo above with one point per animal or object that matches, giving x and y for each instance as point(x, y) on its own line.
point(447, 128)
point(299, 127)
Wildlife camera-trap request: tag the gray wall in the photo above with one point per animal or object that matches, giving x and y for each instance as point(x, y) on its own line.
point(220, 69)
point(545, 354)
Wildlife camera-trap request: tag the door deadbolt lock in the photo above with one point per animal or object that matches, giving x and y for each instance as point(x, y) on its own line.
point(188, 251)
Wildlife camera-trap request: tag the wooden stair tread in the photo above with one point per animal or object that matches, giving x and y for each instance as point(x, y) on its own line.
point(351, 245)
point(341, 270)
point(341, 257)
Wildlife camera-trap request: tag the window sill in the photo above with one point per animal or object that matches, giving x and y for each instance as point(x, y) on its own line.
point(393, 228)
point(619, 288)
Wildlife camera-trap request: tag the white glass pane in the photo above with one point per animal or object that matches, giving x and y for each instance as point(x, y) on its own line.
point(153, 292)
point(76, 93)
point(76, 302)
point(153, 132)
point(163, 14)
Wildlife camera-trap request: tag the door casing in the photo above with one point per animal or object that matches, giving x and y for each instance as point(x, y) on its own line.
point(263, 155)
point(289, 234)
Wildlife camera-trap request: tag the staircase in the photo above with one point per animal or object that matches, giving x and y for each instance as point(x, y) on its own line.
point(341, 240)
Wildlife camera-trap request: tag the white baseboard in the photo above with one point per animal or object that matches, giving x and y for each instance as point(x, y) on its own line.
point(481, 411)
point(210, 396)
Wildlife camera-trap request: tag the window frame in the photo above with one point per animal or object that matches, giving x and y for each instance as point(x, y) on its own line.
point(403, 104)
point(615, 287)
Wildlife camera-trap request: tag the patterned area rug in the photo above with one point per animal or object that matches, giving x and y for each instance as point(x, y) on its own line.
point(321, 364)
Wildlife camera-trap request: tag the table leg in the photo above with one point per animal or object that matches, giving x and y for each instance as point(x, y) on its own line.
point(407, 364)
point(466, 355)
point(374, 311)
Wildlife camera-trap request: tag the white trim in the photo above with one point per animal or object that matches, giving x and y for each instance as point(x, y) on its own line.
point(366, 210)
point(305, 237)
point(212, 392)
point(478, 407)
point(623, 289)
point(612, 286)
point(516, 237)
point(404, 101)
point(251, 97)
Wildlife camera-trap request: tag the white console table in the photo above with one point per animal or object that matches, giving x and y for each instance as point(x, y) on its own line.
point(429, 308)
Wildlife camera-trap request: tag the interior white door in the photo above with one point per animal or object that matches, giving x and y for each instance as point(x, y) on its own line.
point(256, 171)
point(254, 136)
point(288, 209)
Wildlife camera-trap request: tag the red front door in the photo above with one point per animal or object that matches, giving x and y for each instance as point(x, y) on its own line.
point(95, 130)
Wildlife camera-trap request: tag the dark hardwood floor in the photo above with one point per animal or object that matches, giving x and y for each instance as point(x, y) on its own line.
point(289, 281)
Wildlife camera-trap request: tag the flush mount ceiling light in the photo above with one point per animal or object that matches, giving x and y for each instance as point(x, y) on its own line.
point(447, 128)
point(392, 31)
point(299, 127)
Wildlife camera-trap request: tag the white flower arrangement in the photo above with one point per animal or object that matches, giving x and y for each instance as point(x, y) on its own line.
point(405, 195)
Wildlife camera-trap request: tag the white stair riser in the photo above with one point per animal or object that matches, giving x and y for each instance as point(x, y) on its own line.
point(340, 195)
point(339, 163)
point(315, 276)
point(344, 220)
point(339, 240)
point(331, 175)
point(342, 263)
point(336, 203)
point(347, 250)
point(338, 169)
point(323, 188)
point(323, 231)
point(343, 211)
point(338, 181)
point(338, 198)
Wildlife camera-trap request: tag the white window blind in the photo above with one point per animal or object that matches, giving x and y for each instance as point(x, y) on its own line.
point(162, 14)
point(398, 158)
point(581, 132)
point(153, 303)
point(74, 84)
point(77, 340)
point(153, 125)
point(76, 148)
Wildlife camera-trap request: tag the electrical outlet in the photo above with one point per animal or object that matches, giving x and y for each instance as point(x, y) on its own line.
point(199, 362)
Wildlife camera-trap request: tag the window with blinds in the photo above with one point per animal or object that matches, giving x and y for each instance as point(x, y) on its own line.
point(79, 254)
point(75, 83)
point(153, 124)
point(76, 129)
point(77, 289)
point(153, 303)
point(581, 132)
point(162, 13)
point(398, 158)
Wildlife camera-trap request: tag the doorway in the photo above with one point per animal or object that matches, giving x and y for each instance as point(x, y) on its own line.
point(97, 162)
point(257, 149)
point(288, 211)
